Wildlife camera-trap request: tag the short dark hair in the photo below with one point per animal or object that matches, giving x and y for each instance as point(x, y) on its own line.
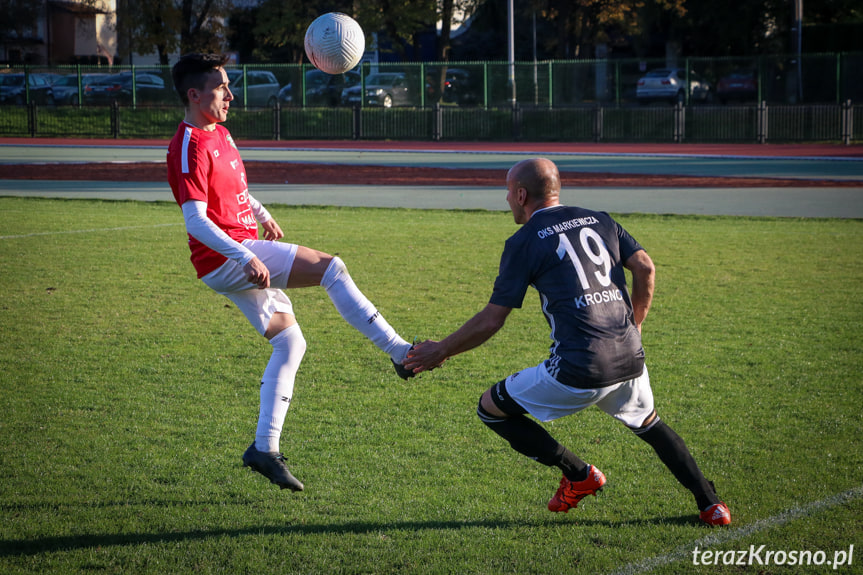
point(191, 71)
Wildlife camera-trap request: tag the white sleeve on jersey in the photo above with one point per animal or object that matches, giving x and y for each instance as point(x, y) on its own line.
point(261, 213)
point(205, 231)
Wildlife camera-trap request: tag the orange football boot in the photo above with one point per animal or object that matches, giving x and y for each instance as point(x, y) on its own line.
point(571, 492)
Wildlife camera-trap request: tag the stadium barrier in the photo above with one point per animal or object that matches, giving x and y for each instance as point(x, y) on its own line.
point(830, 78)
point(776, 98)
point(761, 123)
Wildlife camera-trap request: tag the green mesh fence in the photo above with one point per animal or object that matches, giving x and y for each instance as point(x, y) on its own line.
point(771, 98)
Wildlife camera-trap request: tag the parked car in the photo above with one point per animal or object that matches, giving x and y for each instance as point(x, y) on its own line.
point(321, 89)
point(385, 89)
point(118, 87)
point(461, 88)
point(13, 90)
point(52, 77)
point(261, 86)
point(66, 87)
point(740, 85)
point(670, 84)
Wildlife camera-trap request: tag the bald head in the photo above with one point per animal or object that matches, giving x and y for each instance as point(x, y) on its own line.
point(538, 176)
point(531, 185)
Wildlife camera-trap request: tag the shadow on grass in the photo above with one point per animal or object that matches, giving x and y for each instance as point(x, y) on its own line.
point(21, 547)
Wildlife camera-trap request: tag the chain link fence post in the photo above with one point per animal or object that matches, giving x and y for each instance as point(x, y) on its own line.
point(762, 122)
point(31, 119)
point(115, 119)
point(277, 121)
point(357, 123)
point(597, 123)
point(516, 122)
point(679, 122)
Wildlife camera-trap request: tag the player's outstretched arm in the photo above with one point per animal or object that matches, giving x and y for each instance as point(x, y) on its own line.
point(476, 331)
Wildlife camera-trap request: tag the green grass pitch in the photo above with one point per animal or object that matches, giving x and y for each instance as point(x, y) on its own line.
point(129, 392)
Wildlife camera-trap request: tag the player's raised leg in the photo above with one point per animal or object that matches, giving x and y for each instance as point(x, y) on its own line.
point(312, 267)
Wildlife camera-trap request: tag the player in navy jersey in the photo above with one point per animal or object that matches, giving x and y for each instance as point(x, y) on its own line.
point(575, 259)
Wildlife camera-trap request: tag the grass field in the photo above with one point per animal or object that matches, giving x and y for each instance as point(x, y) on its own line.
point(129, 392)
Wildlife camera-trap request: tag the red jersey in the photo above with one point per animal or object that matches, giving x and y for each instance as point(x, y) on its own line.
point(206, 166)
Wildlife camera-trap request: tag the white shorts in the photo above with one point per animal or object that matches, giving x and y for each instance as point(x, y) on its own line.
point(545, 398)
point(258, 305)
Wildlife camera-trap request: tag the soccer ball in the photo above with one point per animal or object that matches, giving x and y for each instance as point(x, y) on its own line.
point(334, 43)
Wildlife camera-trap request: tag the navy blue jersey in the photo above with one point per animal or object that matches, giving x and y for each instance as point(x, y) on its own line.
point(574, 258)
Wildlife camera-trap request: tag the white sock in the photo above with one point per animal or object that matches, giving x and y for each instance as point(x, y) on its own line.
point(277, 386)
point(358, 311)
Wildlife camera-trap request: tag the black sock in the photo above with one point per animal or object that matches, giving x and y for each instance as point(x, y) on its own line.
point(572, 466)
point(532, 440)
point(675, 455)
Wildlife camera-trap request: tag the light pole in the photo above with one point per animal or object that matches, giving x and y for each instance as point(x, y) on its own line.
point(535, 80)
point(797, 43)
point(510, 44)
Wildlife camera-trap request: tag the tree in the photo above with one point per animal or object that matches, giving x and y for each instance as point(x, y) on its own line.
point(741, 28)
point(399, 21)
point(581, 25)
point(201, 28)
point(565, 29)
point(451, 12)
point(168, 26)
point(19, 18)
point(279, 27)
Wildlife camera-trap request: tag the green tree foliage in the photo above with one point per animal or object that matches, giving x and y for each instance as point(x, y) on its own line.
point(274, 30)
point(581, 25)
point(743, 27)
point(833, 11)
point(566, 29)
point(451, 12)
point(19, 18)
point(167, 26)
point(400, 20)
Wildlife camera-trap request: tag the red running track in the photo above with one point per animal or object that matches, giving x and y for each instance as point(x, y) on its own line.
point(746, 150)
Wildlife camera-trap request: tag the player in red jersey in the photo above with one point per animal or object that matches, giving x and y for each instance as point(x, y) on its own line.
point(209, 182)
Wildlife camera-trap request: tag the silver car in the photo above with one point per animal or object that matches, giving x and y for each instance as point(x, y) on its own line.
point(670, 84)
point(261, 86)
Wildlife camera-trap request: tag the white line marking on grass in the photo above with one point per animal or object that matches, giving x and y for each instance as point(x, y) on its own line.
point(34, 234)
point(725, 535)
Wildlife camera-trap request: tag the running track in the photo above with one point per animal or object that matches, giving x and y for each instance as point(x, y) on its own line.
point(817, 161)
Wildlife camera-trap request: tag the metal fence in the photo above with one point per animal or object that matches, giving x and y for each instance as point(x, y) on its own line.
point(714, 124)
point(770, 98)
point(782, 79)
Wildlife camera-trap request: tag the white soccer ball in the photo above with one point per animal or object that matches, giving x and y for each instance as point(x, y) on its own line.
point(335, 43)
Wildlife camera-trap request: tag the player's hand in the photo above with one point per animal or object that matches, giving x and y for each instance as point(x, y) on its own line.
point(272, 231)
point(257, 273)
point(425, 356)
